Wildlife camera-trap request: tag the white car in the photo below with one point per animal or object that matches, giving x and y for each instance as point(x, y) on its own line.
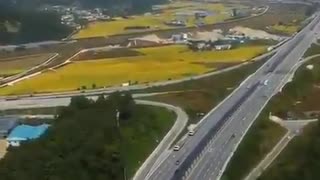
point(176, 148)
point(191, 133)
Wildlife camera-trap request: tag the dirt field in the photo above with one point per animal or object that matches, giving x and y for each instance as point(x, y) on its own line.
point(3, 148)
point(161, 63)
point(14, 65)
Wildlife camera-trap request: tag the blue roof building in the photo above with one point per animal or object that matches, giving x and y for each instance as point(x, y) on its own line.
point(24, 133)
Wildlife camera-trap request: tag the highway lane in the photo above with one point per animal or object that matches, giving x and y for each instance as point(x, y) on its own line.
point(169, 165)
point(219, 154)
point(276, 80)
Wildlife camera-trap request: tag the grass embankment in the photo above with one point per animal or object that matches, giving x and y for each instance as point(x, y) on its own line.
point(299, 160)
point(15, 65)
point(298, 100)
point(200, 96)
point(313, 50)
point(143, 133)
point(217, 13)
point(160, 63)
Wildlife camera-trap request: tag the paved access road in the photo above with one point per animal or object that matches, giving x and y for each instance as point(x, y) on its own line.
point(205, 155)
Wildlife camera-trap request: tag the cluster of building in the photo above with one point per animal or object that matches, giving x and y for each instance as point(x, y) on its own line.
point(72, 16)
point(206, 40)
point(214, 40)
point(15, 133)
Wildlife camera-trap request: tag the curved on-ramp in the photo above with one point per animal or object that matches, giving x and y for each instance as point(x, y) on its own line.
point(162, 149)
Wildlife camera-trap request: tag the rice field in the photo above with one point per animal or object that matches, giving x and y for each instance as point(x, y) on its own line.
point(15, 65)
point(177, 10)
point(156, 64)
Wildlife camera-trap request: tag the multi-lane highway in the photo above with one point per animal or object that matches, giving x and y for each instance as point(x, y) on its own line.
point(205, 155)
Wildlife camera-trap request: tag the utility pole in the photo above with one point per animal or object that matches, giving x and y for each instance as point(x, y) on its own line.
point(121, 146)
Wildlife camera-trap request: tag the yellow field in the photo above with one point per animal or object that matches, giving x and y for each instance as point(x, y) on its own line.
point(157, 64)
point(155, 21)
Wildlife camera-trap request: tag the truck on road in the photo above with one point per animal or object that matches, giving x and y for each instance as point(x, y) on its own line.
point(192, 129)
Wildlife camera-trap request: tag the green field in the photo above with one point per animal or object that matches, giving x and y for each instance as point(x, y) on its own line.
point(157, 21)
point(15, 65)
point(157, 64)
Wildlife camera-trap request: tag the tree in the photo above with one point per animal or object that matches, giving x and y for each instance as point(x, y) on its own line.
point(81, 144)
point(124, 103)
point(80, 102)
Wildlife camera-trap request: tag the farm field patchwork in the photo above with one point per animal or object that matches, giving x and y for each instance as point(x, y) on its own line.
point(160, 63)
point(289, 22)
point(175, 11)
point(15, 65)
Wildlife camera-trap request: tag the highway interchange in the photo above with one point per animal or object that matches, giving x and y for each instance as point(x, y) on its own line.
point(205, 155)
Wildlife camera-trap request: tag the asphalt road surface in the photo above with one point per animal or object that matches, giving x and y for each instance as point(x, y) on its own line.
point(205, 155)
